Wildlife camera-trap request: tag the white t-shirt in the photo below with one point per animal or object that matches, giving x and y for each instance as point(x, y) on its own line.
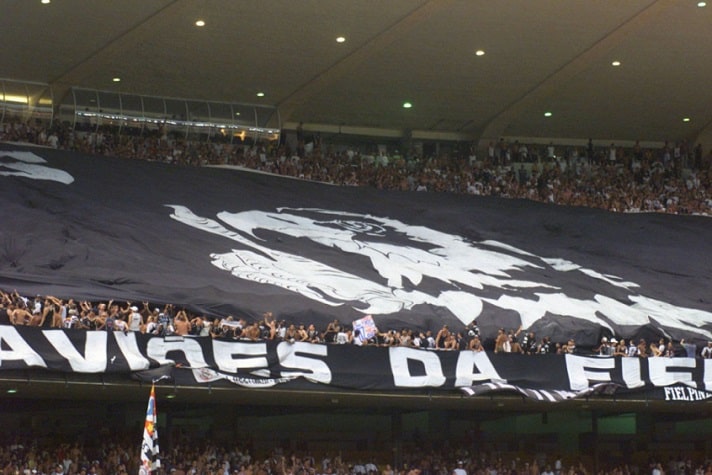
point(135, 321)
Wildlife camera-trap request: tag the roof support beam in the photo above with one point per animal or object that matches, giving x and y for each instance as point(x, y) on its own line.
point(350, 63)
point(124, 41)
point(497, 126)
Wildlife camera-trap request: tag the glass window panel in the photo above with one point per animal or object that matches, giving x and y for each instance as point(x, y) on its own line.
point(175, 110)
point(221, 113)
point(198, 111)
point(244, 115)
point(169, 117)
point(86, 109)
point(110, 110)
point(131, 105)
point(201, 127)
point(264, 116)
point(154, 111)
point(176, 117)
point(132, 109)
point(43, 109)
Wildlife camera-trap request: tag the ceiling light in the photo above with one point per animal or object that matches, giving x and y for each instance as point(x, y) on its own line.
point(616, 63)
point(237, 113)
point(45, 2)
point(547, 114)
point(686, 119)
point(171, 396)
point(260, 94)
point(480, 52)
point(200, 23)
point(116, 79)
point(13, 390)
point(340, 39)
point(407, 105)
point(14, 98)
point(701, 4)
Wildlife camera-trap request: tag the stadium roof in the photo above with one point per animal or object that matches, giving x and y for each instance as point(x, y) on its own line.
point(534, 57)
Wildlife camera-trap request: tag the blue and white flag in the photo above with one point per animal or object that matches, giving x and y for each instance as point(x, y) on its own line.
point(366, 328)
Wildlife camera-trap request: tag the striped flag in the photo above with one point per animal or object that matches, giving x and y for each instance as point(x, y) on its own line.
point(149, 446)
point(547, 395)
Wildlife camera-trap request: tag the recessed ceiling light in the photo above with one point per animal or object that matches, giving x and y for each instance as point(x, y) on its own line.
point(616, 63)
point(547, 114)
point(701, 4)
point(45, 2)
point(260, 94)
point(237, 113)
point(407, 105)
point(480, 52)
point(116, 79)
point(13, 390)
point(200, 23)
point(340, 39)
point(686, 119)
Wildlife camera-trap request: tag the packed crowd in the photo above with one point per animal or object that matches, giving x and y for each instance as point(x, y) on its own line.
point(116, 455)
point(52, 312)
point(676, 178)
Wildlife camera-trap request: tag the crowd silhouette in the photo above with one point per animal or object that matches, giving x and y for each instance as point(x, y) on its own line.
point(169, 320)
point(117, 454)
point(674, 178)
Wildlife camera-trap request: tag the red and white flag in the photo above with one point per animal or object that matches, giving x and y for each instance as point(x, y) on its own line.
point(149, 446)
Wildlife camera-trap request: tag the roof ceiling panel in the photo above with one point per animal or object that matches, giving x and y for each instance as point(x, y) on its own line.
point(539, 55)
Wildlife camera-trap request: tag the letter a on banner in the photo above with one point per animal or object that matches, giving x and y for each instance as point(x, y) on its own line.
point(149, 446)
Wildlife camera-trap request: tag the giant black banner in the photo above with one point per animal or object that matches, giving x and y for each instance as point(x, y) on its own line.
point(196, 360)
point(226, 242)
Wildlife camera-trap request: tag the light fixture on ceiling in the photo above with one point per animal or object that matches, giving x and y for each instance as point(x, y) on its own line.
point(11, 391)
point(340, 39)
point(45, 2)
point(480, 52)
point(407, 105)
point(200, 23)
point(547, 114)
point(701, 4)
point(616, 63)
point(116, 79)
point(237, 113)
point(260, 94)
point(14, 98)
point(686, 119)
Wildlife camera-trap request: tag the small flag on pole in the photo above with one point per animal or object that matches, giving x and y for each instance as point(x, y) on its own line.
point(149, 446)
